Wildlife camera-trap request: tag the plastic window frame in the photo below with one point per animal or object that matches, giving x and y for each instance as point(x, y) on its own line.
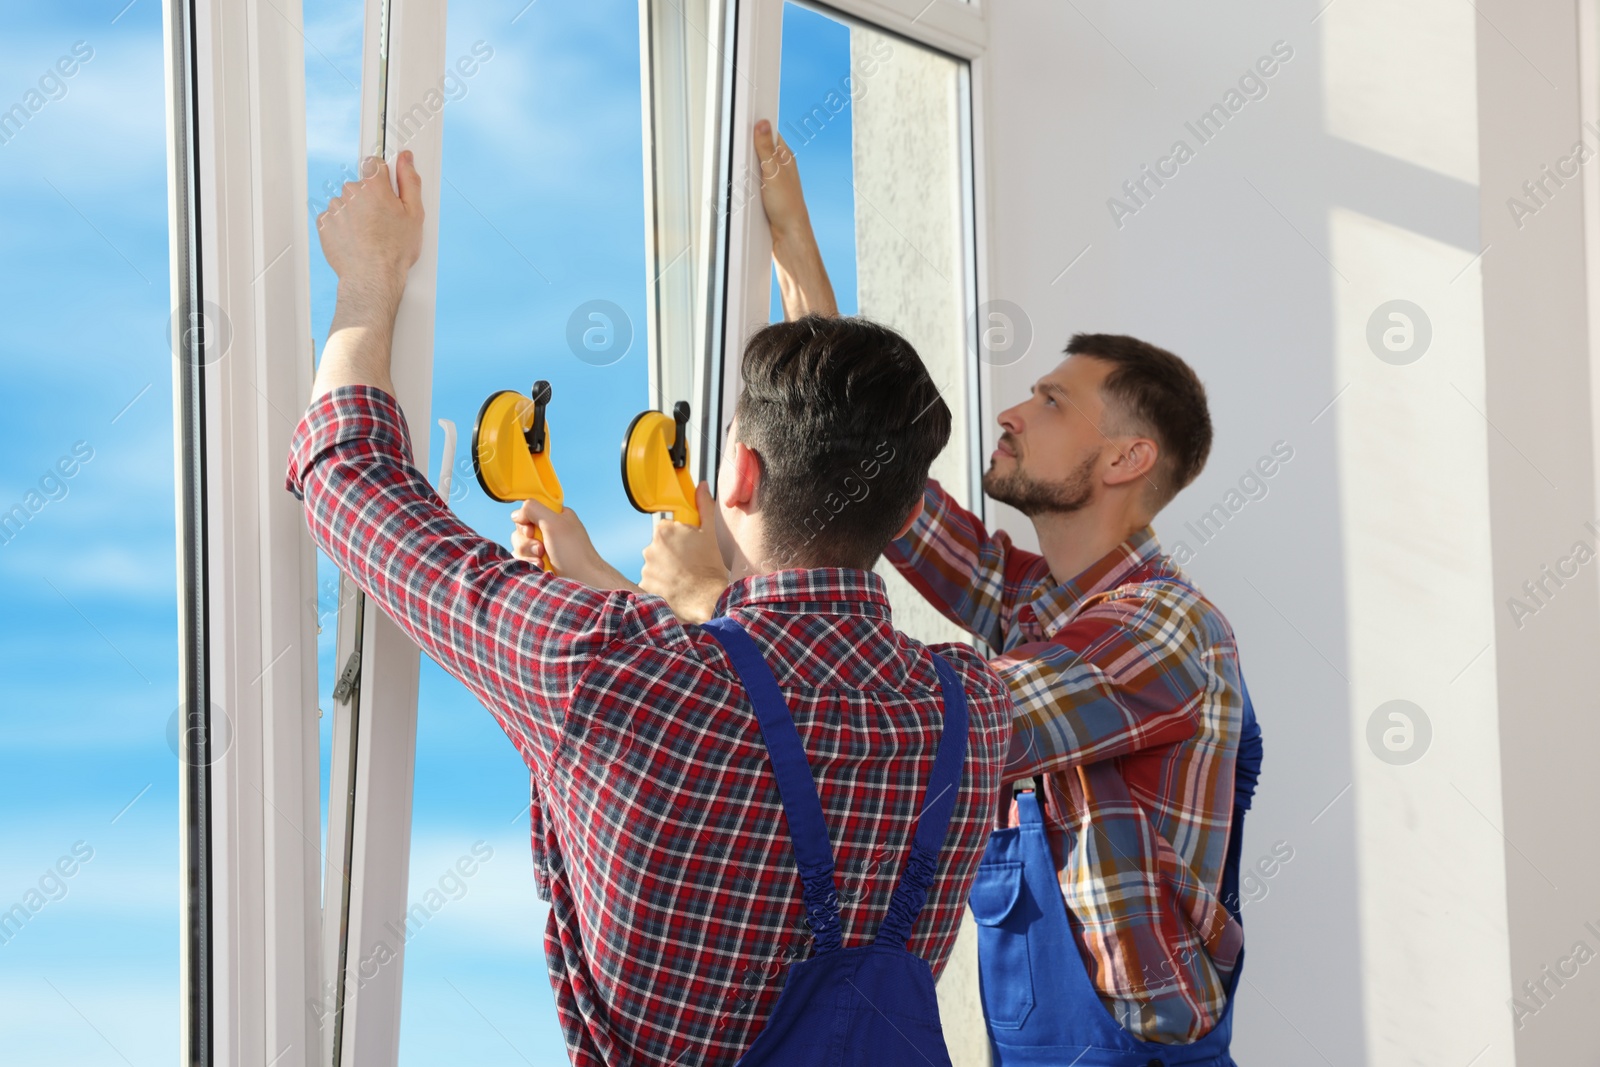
point(257, 950)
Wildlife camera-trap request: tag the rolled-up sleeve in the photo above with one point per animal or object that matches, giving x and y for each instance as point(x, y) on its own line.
point(518, 637)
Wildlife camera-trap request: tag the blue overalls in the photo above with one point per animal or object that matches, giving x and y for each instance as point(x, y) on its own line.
point(1039, 1003)
point(851, 1007)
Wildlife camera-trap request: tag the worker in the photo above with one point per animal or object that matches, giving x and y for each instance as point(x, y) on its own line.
point(1131, 709)
point(697, 785)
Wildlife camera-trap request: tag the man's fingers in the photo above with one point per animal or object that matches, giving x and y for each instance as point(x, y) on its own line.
point(764, 146)
point(525, 543)
point(772, 152)
point(375, 170)
point(532, 513)
point(669, 533)
point(410, 180)
point(703, 503)
point(769, 152)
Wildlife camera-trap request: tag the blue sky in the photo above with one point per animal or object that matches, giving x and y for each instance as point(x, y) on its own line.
point(88, 656)
point(543, 211)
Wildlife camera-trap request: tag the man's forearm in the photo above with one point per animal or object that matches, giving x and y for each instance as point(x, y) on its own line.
point(360, 338)
point(802, 279)
point(958, 566)
point(600, 574)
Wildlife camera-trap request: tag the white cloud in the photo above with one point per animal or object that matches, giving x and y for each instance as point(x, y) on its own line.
point(109, 130)
point(497, 910)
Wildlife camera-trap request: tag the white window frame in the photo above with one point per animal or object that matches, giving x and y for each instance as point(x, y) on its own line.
point(256, 947)
point(247, 625)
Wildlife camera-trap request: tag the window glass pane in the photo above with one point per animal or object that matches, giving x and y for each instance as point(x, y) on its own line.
point(541, 276)
point(89, 868)
point(877, 125)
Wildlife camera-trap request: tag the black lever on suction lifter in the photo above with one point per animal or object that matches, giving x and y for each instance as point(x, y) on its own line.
point(535, 434)
point(679, 452)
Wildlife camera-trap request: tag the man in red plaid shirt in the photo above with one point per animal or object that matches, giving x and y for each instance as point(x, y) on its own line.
point(1130, 703)
point(658, 832)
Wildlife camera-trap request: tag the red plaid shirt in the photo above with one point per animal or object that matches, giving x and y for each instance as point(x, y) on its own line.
point(658, 833)
point(1128, 699)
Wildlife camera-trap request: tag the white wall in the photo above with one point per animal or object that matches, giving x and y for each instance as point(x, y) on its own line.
point(1419, 495)
point(1542, 476)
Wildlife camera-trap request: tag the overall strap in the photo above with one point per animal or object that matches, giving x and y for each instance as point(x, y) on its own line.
point(802, 810)
point(1028, 810)
point(933, 823)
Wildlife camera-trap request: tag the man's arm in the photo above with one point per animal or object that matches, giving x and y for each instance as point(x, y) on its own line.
point(539, 534)
point(802, 279)
point(371, 238)
point(973, 577)
point(951, 559)
point(519, 638)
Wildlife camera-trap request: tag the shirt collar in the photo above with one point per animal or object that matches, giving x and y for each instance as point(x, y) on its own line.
point(817, 590)
point(1054, 606)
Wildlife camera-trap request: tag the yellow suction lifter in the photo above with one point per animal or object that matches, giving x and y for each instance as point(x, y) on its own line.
point(655, 464)
point(511, 449)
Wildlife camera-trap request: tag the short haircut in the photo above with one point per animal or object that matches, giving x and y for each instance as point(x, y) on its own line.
point(1154, 393)
point(846, 421)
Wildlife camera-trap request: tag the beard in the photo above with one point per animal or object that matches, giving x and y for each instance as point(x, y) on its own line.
point(1033, 497)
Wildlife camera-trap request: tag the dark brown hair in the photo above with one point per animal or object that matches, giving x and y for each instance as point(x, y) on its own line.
point(1158, 395)
point(846, 421)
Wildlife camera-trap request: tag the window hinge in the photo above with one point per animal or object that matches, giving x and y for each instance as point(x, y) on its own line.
point(348, 678)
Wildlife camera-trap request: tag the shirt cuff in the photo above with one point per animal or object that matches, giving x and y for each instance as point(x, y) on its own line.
point(347, 413)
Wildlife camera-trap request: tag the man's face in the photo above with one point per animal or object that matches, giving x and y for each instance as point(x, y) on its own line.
point(1049, 452)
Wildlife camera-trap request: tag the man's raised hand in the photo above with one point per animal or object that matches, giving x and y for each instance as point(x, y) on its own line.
point(802, 279)
point(371, 236)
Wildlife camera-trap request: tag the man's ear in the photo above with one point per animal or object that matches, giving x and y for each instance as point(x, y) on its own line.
point(745, 468)
point(916, 513)
point(1135, 459)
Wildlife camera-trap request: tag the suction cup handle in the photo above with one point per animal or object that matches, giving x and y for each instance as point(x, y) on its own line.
point(535, 435)
point(679, 452)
